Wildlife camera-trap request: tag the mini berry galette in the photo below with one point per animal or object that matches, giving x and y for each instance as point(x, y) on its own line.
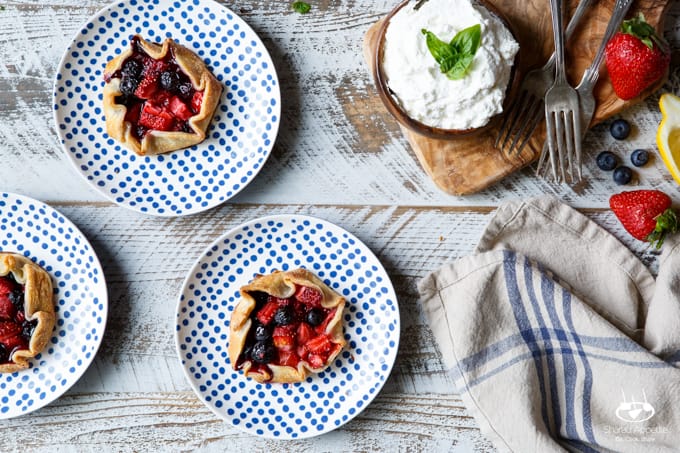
point(26, 311)
point(159, 98)
point(286, 326)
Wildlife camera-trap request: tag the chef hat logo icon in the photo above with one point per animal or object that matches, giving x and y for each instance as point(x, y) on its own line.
point(634, 411)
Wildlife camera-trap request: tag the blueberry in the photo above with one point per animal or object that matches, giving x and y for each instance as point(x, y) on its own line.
point(17, 298)
point(4, 356)
point(262, 332)
point(639, 158)
point(263, 352)
point(315, 316)
point(284, 316)
point(623, 175)
point(620, 129)
point(186, 90)
point(607, 161)
point(260, 297)
point(27, 329)
point(127, 86)
point(132, 69)
point(170, 81)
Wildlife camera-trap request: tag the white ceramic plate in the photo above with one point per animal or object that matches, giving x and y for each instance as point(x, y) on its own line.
point(42, 234)
point(183, 182)
point(324, 401)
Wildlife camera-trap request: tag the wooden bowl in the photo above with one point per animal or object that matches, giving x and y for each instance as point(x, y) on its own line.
point(389, 98)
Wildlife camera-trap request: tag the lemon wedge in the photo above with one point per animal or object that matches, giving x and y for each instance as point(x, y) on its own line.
point(668, 134)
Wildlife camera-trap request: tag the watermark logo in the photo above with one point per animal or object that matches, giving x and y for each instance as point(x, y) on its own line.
point(634, 411)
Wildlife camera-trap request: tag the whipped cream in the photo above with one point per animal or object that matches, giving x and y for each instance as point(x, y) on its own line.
point(414, 76)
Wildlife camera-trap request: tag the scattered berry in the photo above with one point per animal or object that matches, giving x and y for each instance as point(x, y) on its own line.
point(170, 81)
point(262, 333)
point(607, 161)
point(27, 329)
point(620, 129)
point(284, 316)
point(639, 158)
point(636, 58)
point(4, 357)
point(308, 296)
point(127, 86)
point(132, 69)
point(315, 316)
point(645, 214)
point(263, 352)
point(623, 175)
point(186, 90)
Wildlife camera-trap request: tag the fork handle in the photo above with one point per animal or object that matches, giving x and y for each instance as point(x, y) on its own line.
point(591, 74)
point(571, 28)
point(558, 33)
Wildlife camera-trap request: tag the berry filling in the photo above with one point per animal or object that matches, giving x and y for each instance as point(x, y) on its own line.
point(158, 95)
point(287, 331)
point(15, 329)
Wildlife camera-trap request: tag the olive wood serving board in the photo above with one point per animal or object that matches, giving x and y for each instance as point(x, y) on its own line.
point(470, 164)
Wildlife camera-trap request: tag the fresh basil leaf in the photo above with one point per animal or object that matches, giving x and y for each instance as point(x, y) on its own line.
point(443, 53)
point(301, 7)
point(460, 68)
point(455, 58)
point(467, 41)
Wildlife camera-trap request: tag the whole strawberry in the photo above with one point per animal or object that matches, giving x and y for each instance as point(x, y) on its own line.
point(645, 214)
point(636, 57)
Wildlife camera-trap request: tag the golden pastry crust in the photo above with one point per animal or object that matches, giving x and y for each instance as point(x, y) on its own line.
point(283, 285)
point(158, 142)
point(38, 305)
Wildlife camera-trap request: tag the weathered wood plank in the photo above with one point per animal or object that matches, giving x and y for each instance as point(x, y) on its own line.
point(145, 260)
point(337, 144)
point(179, 422)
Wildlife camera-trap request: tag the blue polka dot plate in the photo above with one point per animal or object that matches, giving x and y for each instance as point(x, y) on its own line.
point(323, 401)
point(239, 139)
point(39, 232)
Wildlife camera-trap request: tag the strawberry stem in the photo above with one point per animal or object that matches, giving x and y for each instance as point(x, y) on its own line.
point(666, 223)
point(638, 27)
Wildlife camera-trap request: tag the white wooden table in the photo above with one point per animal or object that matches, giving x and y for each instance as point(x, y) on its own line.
point(338, 156)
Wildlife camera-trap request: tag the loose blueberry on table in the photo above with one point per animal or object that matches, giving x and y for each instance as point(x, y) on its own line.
point(280, 336)
point(639, 158)
point(607, 161)
point(158, 98)
point(620, 129)
point(622, 175)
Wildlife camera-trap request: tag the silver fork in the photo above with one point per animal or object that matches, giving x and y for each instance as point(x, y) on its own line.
point(590, 77)
point(562, 111)
point(525, 113)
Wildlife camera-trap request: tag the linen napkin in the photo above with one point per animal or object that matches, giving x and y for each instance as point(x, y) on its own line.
point(558, 338)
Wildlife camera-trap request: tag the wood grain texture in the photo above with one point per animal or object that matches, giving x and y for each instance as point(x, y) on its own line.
point(135, 397)
point(337, 144)
point(469, 164)
point(339, 156)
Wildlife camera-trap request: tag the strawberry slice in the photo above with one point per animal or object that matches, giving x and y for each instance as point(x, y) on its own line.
point(7, 309)
point(132, 114)
point(155, 118)
point(316, 360)
point(321, 328)
point(288, 358)
point(179, 108)
point(6, 286)
point(319, 345)
point(8, 330)
point(197, 101)
point(305, 333)
point(266, 314)
point(283, 338)
point(308, 296)
point(302, 352)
